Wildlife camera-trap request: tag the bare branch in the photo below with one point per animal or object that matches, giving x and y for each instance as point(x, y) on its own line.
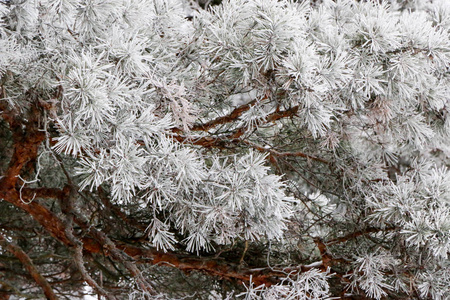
point(29, 266)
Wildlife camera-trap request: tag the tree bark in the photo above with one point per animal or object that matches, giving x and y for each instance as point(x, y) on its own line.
point(29, 266)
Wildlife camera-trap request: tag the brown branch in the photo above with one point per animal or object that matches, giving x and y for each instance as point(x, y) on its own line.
point(209, 265)
point(78, 258)
point(40, 213)
point(109, 247)
point(288, 113)
point(29, 266)
point(236, 113)
point(67, 203)
point(327, 259)
point(42, 192)
point(26, 146)
point(222, 141)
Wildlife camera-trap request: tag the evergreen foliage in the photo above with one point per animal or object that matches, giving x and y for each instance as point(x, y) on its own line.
point(257, 149)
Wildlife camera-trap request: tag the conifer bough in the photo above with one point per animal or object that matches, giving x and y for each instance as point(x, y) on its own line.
point(257, 149)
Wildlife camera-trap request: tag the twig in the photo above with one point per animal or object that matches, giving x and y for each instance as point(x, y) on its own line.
point(284, 154)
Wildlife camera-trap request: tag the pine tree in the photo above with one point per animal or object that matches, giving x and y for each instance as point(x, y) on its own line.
point(257, 149)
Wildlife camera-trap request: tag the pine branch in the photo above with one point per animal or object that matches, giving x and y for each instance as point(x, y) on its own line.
point(100, 243)
point(233, 116)
point(29, 266)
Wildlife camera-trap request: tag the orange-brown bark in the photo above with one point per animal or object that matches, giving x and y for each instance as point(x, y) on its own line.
point(40, 213)
point(29, 266)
